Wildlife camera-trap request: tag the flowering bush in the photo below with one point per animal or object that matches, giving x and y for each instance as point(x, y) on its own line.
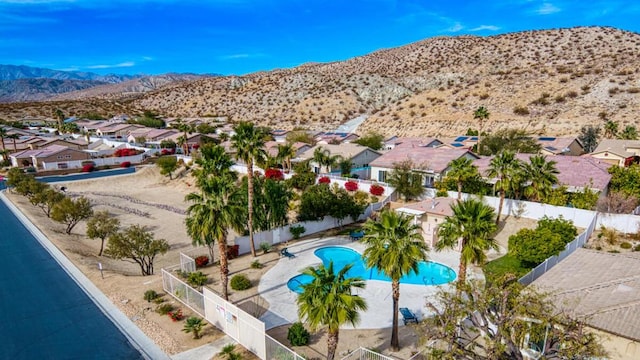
point(125, 152)
point(167, 151)
point(125, 164)
point(88, 168)
point(376, 190)
point(324, 180)
point(195, 147)
point(176, 315)
point(351, 185)
point(274, 174)
point(202, 261)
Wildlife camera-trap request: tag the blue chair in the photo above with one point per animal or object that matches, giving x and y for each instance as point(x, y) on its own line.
point(356, 235)
point(285, 252)
point(408, 316)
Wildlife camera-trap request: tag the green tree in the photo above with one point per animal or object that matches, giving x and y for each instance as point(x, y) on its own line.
point(303, 177)
point(286, 152)
point(101, 226)
point(542, 176)
point(315, 203)
point(610, 129)
point(506, 318)
point(346, 165)
point(372, 140)
point(249, 145)
point(185, 128)
point(589, 137)
point(46, 199)
point(560, 226)
point(328, 301)
point(194, 325)
point(13, 138)
point(462, 170)
point(167, 165)
point(59, 115)
point(470, 228)
point(216, 208)
point(271, 203)
point(396, 247)
point(70, 212)
point(586, 199)
point(3, 134)
point(501, 168)
point(624, 180)
point(532, 247)
point(480, 114)
point(300, 136)
point(406, 180)
point(516, 140)
point(138, 244)
point(324, 158)
point(629, 133)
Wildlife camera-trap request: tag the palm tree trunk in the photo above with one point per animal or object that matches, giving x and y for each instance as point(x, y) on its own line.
point(395, 344)
point(462, 272)
point(502, 194)
point(15, 147)
point(211, 254)
point(101, 245)
point(459, 190)
point(332, 343)
point(224, 267)
point(250, 199)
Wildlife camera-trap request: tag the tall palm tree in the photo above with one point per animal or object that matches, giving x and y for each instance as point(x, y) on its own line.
point(286, 152)
point(462, 169)
point(501, 168)
point(213, 161)
point(629, 133)
point(542, 176)
point(249, 143)
point(324, 158)
point(471, 224)
point(59, 115)
point(396, 247)
point(14, 137)
point(481, 114)
point(327, 301)
point(3, 134)
point(610, 129)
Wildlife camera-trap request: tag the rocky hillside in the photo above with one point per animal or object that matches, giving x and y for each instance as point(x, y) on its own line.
point(551, 81)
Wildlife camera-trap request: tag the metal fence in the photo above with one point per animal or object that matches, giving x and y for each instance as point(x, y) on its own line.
point(183, 292)
point(187, 263)
point(578, 242)
point(277, 351)
point(366, 354)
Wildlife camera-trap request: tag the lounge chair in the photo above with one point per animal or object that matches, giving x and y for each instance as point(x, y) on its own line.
point(408, 316)
point(285, 252)
point(356, 235)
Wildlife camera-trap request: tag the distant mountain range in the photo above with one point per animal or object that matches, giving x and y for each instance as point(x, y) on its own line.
point(25, 83)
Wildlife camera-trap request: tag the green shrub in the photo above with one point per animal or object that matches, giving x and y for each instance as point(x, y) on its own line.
point(296, 231)
point(256, 265)
point(158, 300)
point(150, 295)
point(240, 282)
point(197, 279)
point(298, 335)
point(164, 309)
point(636, 248)
point(625, 245)
point(265, 247)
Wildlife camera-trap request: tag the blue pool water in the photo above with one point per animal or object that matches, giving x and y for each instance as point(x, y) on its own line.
point(45, 315)
point(429, 273)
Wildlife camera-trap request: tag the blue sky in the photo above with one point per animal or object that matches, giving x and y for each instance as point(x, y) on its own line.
point(243, 36)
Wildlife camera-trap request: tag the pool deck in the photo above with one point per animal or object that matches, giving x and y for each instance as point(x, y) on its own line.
point(282, 301)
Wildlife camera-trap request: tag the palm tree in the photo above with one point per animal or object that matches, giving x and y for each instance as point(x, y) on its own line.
point(185, 128)
point(610, 129)
point(194, 324)
point(14, 137)
point(480, 114)
point(249, 144)
point(59, 115)
point(3, 134)
point(327, 301)
point(462, 169)
point(286, 152)
point(324, 158)
point(216, 208)
point(396, 247)
point(502, 167)
point(542, 176)
point(213, 161)
point(629, 133)
point(471, 227)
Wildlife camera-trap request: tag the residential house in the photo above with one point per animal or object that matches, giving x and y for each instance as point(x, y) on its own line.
point(271, 147)
point(150, 135)
point(575, 172)
point(431, 162)
point(116, 130)
point(360, 156)
point(280, 135)
point(429, 214)
point(602, 289)
point(52, 154)
point(394, 141)
point(461, 142)
point(90, 126)
point(331, 137)
point(569, 146)
point(194, 140)
point(618, 152)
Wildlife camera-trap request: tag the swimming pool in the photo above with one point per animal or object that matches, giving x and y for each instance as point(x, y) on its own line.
point(429, 273)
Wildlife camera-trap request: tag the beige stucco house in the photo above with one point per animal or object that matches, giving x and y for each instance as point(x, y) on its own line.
point(618, 152)
point(429, 214)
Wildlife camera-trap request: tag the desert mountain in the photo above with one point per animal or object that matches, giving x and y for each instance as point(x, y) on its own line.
point(554, 81)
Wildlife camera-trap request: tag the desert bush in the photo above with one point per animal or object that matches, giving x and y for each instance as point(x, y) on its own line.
point(298, 335)
point(625, 245)
point(176, 315)
point(125, 164)
point(521, 110)
point(150, 295)
point(636, 248)
point(197, 278)
point(201, 261)
point(240, 282)
point(265, 247)
point(256, 265)
point(296, 231)
point(164, 309)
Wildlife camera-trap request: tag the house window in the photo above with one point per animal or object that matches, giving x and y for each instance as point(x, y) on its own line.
point(62, 165)
point(382, 176)
point(59, 157)
point(67, 156)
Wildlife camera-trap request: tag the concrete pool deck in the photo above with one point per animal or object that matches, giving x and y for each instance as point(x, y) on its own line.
point(282, 301)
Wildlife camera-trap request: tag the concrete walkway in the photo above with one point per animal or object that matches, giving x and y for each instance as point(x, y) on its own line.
point(283, 308)
point(205, 352)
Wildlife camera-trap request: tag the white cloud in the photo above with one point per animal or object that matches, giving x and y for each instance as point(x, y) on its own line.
point(455, 27)
point(547, 8)
point(486, 27)
point(104, 66)
point(241, 56)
